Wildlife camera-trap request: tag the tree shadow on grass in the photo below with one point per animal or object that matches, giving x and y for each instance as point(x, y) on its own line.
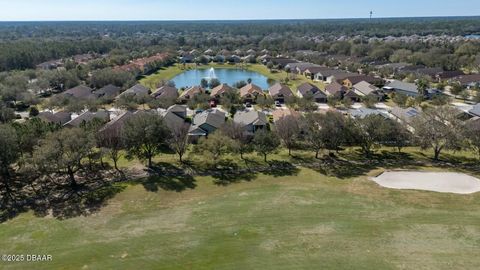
point(228, 172)
point(278, 168)
point(168, 177)
point(62, 201)
point(355, 164)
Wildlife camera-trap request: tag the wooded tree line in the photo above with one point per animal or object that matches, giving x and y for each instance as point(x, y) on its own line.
point(44, 158)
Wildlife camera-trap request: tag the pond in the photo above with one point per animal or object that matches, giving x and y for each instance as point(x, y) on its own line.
point(224, 75)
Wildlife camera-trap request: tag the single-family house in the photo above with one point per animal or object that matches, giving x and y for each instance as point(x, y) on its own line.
point(279, 114)
point(80, 92)
point(336, 90)
point(59, 118)
point(409, 89)
point(350, 81)
point(175, 116)
point(220, 90)
point(87, 117)
point(364, 112)
point(137, 90)
point(166, 92)
point(108, 92)
point(310, 90)
point(468, 80)
point(310, 72)
point(114, 128)
point(475, 111)
point(250, 92)
point(364, 88)
point(405, 115)
point(447, 75)
point(251, 121)
point(280, 92)
point(191, 92)
point(206, 122)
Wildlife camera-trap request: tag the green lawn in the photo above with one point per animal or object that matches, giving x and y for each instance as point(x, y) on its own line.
point(303, 220)
point(170, 72)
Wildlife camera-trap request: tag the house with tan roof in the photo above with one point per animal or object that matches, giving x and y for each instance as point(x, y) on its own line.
point(220, 90)
point(191, 92)
point(250, 92)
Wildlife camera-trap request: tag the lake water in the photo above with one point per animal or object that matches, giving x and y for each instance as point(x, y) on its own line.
point(473, 36)
point(224, 75)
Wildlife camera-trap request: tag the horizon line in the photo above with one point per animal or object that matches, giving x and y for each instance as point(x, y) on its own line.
point(244, 19)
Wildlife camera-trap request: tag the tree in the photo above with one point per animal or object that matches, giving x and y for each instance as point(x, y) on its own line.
point(178, 141)
point(213, 147)
point(204, 83)
point(325, 131)
point(397, 135)
point(347, 102)
point(314, 135)
point(30, 133)
point(6, 114)
point(62, 152)
point(265, 142)
point(400, 99)
point(33, 111)
point(145, 136)
point(369, 132)
point(214, 83)
point(111, 140)
point(439, 129)
point(265, 102)
point(288, 130)
point(241, 141)
point(9, 153)
point(369, 101)
point(422, 86)
point(472, 134)
point(456, 88)
point(126, 102)
point(270, 65)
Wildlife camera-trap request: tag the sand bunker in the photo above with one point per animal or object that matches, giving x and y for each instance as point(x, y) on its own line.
point(432, 181)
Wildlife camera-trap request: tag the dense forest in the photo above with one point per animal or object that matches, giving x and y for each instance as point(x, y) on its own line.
point(23, 45)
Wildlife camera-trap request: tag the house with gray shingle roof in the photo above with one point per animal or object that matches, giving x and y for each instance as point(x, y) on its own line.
point(364, 112)
point(80, 92)
point(409, 89)
point(310, 90)
point(109, 91)
point(59, 118)
point(475, 111)
point(166, 92)
point(136, 91)
point(279, 92)
point(251, 121)
point(404, 114)
point(206, 122)
point(87, 117)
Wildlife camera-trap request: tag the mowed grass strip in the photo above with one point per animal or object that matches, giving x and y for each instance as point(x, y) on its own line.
point(306, 221)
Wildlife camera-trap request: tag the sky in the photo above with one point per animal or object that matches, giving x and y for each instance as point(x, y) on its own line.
point(71, 10)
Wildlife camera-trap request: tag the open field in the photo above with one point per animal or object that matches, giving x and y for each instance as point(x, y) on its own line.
point(296, 219)
point(168, 73)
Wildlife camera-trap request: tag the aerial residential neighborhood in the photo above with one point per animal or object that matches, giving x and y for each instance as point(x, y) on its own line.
point(277, 135)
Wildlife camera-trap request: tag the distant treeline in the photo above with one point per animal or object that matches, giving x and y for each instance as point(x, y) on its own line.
point(23, 45)
point(367, 27)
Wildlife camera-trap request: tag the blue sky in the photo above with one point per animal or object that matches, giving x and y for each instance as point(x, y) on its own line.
point(24, 10)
